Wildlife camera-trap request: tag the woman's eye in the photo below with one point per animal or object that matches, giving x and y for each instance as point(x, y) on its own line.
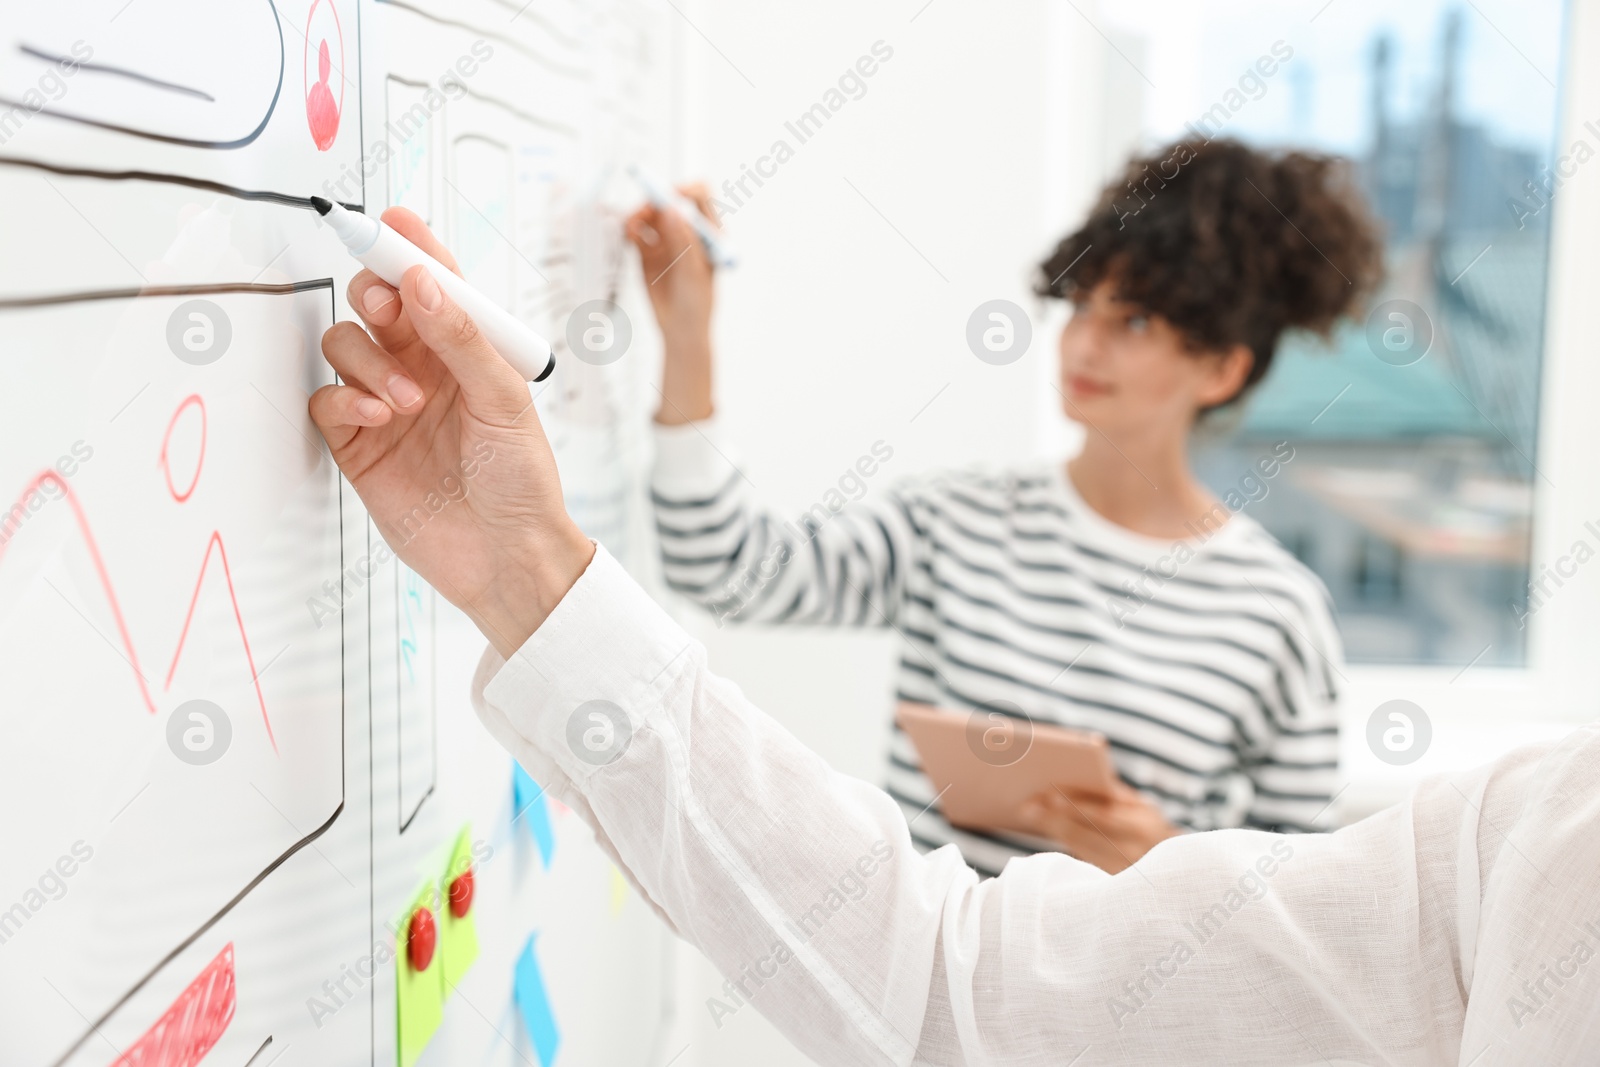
point(1138, 323)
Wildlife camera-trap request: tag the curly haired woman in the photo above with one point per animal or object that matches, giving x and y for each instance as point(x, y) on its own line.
point(1114, 593)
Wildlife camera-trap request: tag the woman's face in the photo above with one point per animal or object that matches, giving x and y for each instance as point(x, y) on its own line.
point(1125, 371)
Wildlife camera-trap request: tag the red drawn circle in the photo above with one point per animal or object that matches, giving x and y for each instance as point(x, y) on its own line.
point(192, 400)
point(461, 894)
point(322, 111)
point(422, 938)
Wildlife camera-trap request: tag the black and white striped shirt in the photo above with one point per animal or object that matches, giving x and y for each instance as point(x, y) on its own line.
point(1210, 665)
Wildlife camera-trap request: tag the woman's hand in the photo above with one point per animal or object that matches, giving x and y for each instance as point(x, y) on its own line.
point(439, 437)
point(678, 277)
point(1111, 831)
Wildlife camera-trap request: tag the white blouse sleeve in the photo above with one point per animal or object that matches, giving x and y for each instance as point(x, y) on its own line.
point(802, 886)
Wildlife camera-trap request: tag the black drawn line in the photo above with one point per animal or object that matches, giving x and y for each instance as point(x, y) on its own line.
point(121, 72)
point(259, 1051)
point(210, 288)
point(510, 42)
point(494, 101)
point(169, 179)
point(533, 16)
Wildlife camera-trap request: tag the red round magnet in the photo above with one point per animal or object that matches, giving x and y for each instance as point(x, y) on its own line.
point(422, 938)
point(461, 894)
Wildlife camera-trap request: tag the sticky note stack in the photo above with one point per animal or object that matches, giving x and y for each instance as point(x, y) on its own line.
point(436, 943)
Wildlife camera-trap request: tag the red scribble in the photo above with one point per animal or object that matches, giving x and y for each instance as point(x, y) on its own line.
point(244, 637)
point(32, 487)
point(166, 439)
point(194, 1022)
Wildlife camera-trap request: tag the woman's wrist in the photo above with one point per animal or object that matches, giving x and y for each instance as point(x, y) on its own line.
point(528, 588)
point(685, 378)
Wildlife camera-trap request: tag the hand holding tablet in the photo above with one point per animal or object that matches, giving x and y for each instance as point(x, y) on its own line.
point(986, 765)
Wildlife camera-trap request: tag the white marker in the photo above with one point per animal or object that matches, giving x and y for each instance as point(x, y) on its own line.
point(716, 248)
point(389, 256)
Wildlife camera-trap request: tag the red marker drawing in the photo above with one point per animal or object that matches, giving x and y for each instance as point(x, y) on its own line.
point(50, 477)
point(322, 110)
point(193, 1024)
point(192, 400)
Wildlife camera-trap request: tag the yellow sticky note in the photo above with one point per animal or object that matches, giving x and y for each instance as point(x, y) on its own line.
point(458, 938)
point(419, 995)
point(619, 891)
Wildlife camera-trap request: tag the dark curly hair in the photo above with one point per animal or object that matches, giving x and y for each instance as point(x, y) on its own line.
point(1230, 244)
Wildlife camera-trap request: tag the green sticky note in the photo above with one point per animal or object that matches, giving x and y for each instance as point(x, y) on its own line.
point(619, 891)
point(419, 995)
point(458, 938)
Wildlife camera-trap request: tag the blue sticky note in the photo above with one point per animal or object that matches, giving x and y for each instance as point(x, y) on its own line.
point(534, 1005)
point(528, 802)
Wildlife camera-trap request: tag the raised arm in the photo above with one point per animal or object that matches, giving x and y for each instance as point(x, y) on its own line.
point(838, 562)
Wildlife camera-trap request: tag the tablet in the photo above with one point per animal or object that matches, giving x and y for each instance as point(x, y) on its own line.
point(985, 764)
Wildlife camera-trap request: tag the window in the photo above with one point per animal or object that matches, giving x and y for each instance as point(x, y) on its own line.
point(1412, 488)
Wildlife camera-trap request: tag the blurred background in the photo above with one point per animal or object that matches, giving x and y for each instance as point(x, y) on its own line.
point(1443, 503)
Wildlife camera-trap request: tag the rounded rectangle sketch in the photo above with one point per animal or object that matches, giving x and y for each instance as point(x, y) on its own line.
point(174, 703)
point(190, 91)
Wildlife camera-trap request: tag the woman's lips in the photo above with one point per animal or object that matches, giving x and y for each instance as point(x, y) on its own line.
point(1081, 386)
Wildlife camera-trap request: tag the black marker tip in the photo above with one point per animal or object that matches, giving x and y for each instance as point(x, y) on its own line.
point(322, 206)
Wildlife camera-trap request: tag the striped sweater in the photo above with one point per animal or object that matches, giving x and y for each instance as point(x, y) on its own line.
point(1210, 665)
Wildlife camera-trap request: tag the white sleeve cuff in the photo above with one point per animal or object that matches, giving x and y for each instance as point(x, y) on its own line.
point(603, 651)
point(691, 460)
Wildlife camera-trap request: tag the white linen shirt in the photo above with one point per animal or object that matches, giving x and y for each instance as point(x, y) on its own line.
point(1460, 927)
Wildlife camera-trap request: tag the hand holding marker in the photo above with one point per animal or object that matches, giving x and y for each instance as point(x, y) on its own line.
point(715, 244)
point(389, 256)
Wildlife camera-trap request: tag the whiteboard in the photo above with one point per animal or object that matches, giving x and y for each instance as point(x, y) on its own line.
point(238, 738)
